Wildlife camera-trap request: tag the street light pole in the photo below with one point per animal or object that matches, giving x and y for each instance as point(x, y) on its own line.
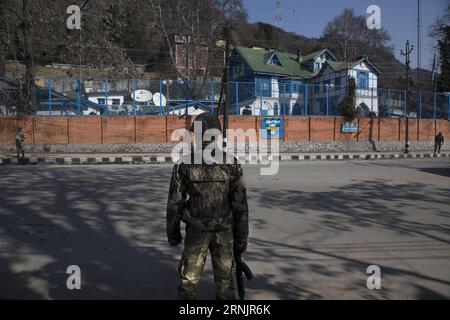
point(406, 53)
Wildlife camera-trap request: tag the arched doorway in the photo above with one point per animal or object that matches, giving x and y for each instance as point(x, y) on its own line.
point(362, 110)
point(297, 109)
point(247, 111)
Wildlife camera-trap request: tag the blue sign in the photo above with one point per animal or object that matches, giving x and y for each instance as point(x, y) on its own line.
point(349, 127)
point(273, 128)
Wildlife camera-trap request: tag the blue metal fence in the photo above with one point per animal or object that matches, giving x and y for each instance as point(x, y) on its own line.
point(72, 96)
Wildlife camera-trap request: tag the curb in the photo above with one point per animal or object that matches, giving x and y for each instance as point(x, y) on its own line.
point(246, 159)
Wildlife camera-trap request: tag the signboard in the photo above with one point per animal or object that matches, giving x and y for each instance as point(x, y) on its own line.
point(273, 128)
point(349, 127)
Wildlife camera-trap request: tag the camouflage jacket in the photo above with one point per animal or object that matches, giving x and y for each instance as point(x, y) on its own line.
point(209, 197)
point(20, 137)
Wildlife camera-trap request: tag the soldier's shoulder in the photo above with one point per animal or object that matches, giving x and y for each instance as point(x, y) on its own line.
point(233, 163)
point(230, 159)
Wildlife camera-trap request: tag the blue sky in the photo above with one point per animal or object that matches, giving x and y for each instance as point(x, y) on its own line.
point(398, 17)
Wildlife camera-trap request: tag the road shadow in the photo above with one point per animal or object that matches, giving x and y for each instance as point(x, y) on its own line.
point(379, 205)
point(445, 171)
point(110, 223)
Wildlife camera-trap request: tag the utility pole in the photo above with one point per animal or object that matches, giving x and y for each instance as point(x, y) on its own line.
point(406, 53)
point(419, 41)
point(227, 85)
point(224, 88)
point(186, 83)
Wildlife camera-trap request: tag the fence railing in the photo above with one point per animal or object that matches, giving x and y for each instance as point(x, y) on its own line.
point(88, 96)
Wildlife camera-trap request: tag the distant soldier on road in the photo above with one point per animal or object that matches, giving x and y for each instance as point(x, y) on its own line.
point(438, 142)
point(20, 139)
point(211, 199)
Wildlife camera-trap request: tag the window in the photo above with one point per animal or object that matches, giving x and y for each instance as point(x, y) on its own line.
point(296, 87)
point(363, 80)
point(337, 82)
point(115, 101)
point(101, 100)
point(317, 66)
point(316, 88)
point(264, 86)
point(276, 60)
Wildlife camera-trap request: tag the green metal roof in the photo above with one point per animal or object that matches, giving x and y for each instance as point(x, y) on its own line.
point(256, 59)
point(339, 65)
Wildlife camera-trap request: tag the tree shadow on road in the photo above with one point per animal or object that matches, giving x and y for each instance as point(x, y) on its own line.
point(110, 223)
point(376, 205)
point(383, 204)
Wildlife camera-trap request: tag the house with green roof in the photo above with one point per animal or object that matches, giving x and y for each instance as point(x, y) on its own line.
point(273, 83)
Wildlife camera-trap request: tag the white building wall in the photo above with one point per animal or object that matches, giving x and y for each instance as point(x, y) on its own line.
point(95, 98)
point(367, 96)
point(266, 105)
point(181, 111)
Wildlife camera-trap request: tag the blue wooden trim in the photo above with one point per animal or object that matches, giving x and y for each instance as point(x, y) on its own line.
point(106, 96)
point(78, 97)
point(260, 101)
point(306, 99)
point(49, 84)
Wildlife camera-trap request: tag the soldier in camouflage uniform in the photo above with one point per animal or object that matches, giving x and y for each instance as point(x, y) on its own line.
point(20, 138)
point(211, 199)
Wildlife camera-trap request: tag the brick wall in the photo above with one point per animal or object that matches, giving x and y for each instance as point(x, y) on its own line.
point(156, 129)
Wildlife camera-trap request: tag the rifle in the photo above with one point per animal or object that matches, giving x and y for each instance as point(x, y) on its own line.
point(241, 269)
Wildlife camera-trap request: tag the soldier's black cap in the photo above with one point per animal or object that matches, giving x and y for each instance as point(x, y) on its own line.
point(209, 121)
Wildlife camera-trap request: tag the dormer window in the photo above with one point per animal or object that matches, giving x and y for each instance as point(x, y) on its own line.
point(275, 59)
point(317, 66)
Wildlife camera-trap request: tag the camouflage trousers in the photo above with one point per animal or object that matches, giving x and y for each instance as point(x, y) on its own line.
point(196, 246)
point(20, 151)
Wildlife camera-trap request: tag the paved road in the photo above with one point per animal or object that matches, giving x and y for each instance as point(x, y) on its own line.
point(315, 228)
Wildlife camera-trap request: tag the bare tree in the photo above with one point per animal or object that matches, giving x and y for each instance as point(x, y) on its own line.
point(203, 21)
point(348, 35)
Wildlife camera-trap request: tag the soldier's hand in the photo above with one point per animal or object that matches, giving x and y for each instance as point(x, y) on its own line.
point(174, 241)
point(240, 247)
